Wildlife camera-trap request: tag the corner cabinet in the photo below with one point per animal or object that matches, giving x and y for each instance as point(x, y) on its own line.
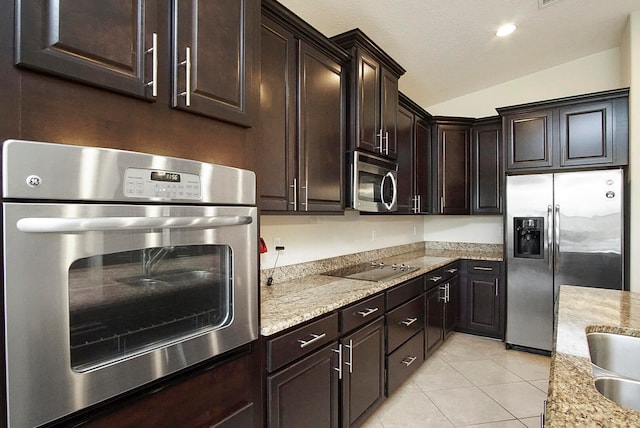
point(590, 130)
point(123, 47)
point(213, 58)
point(373, 95)
point(486, 166)
point(301, 145)
point(451, 153)
point(414, 159)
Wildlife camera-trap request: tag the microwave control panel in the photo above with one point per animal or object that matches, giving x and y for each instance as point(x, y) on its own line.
point(150, 183)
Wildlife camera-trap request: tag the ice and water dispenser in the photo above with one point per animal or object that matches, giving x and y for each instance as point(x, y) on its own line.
point(528, 236)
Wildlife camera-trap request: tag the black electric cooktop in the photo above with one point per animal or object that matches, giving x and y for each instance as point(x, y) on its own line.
point(373, 271)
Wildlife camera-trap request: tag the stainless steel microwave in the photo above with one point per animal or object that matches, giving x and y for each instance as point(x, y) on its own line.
point(373, 183)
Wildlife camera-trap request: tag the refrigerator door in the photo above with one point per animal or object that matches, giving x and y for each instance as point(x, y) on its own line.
point(529, 274)
point(589, 228)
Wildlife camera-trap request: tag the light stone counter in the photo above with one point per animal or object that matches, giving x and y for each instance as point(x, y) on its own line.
point(573, 400)
point(305, 293)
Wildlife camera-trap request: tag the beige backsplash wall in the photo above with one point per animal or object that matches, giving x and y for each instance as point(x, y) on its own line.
point(308, 238)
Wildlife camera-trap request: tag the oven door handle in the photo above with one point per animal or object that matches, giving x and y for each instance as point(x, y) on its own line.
point(57, 224)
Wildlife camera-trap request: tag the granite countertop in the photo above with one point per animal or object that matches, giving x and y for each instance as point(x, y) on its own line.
point(289, 303)
point(573, 399)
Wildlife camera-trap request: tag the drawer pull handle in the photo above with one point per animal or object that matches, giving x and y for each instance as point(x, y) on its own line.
point(482, 268)
point(409, 321)
point(367, 312)
point(409, 360)
point(435, 278)
point(316, 337)
point(452, 270)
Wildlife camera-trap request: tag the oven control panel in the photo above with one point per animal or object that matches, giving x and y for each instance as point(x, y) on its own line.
point(150, 183)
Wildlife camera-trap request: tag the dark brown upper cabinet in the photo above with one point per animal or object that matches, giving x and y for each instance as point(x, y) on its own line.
point(373, 94)
point(414, 159)
point(109, 44)
point(301, 147)
point(213, 45)
point(122, 46)
point(451, 153)
point(486, 166)
point(583, 131)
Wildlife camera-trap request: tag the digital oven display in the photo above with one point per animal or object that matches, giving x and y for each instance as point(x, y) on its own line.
point(171, 177)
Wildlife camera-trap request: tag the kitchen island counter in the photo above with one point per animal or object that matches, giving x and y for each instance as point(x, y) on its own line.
point(573, 399)
point(294, 301)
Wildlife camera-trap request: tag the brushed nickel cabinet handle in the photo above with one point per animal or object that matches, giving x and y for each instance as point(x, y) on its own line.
point(488, 269)
point(187, 67)
point(408, 321)
point(408, 360)
point(339, 368)
point(350, 363)
point(367, 312)
point(316, 337)
point(154, 72)
point(435, 278)
point(294, 186)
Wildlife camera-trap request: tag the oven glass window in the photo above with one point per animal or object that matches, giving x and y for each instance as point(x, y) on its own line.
point(369, 187)
point(126, 303)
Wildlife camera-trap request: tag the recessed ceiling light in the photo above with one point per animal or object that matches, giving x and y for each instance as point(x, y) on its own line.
point(505, 30)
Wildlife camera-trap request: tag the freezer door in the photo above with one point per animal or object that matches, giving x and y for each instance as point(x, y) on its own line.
point(529, 279)
point(589, 227)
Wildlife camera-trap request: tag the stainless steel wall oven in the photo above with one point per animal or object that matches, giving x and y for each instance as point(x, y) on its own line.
point(119, 268)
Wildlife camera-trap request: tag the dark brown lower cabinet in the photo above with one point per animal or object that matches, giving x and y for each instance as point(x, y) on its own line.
point(451, 305)
point(305, 394)
point(363, 373)
point(482, 302)
point(434, 318)
point(404, 362)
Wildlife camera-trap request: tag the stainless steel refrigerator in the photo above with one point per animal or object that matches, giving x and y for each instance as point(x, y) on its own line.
point(562, 228)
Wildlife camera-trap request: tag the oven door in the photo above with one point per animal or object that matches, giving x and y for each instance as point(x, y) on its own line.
point(100, 299)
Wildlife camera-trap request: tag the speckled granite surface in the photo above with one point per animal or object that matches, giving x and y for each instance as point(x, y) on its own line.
point(301, 293)
point(573, 399)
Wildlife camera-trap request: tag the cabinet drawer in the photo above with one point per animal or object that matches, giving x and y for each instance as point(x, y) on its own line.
point(434, 277)
point(356, 315)
point(299, 342)
point(405, 292)
point(404, 362)
point(483, 267)
point(404, 322)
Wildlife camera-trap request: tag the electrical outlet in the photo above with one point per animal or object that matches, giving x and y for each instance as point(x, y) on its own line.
point(277, 242)
point(373, 235)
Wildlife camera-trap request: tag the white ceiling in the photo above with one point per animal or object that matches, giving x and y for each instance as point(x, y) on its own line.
point(449, 47)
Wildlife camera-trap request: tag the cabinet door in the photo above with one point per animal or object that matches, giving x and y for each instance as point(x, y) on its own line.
point(304, 392)
point(276, 166)
point(363, 381)
point(213, 58)
point(452, 306)
point(368, 103)
point(529, 140)
point(434, 317)
point(406, 191)
point(101, 43)
point(586, 135)
point(423, 168)
point(486, 169)
point(389, 113)
point(453, 169)
point(483, 304)
point(321, 131)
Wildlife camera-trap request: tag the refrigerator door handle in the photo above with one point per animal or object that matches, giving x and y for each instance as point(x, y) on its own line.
point(550, 237)
point(556, 227)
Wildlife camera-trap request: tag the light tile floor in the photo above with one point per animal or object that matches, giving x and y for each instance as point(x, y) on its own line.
point(470, 381)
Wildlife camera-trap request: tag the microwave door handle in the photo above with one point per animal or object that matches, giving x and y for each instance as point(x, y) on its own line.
point(393, 183)
point(56, 224)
